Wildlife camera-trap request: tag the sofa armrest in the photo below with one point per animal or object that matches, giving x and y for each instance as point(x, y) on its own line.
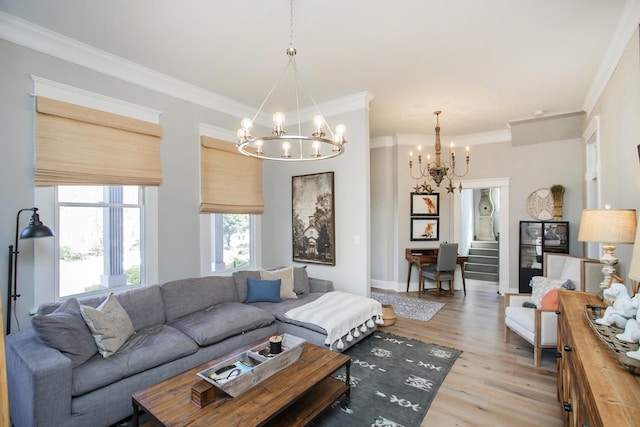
point(39, 381)
point(516, 300)
point(320, 285)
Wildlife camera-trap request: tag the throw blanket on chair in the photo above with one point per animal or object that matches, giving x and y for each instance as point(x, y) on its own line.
point(340, 314)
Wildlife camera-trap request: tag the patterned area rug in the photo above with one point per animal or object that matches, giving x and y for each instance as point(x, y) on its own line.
point(393, 382)
point(413, 308)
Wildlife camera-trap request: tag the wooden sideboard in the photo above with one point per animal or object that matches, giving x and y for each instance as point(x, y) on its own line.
point(593, 388)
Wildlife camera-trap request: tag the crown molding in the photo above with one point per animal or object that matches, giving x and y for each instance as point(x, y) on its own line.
point(627, 27)
point(217, 133)
point(40, 39)
point(382, 142)
point(480, 138)
point(460, 140)
point(73, 95)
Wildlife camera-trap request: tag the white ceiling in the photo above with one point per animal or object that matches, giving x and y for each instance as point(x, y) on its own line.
point(483, 63)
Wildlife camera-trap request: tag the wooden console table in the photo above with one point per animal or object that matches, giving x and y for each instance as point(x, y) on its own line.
point(593, 388)
point(423, 257)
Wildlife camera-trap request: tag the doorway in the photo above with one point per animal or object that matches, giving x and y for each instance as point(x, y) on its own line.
point(461, 222)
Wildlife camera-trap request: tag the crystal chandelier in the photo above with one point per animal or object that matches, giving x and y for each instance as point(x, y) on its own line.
point(438, 170)
point(295, 147)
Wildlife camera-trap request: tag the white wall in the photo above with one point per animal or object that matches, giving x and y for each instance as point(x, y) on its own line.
point(351, 200)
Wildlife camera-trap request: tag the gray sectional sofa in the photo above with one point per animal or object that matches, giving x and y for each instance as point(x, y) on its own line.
point(178, 325)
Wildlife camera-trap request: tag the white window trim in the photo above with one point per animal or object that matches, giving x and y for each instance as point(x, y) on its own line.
point(206, 243)
point(45, 196)
point(47, 254)
point(205, 222)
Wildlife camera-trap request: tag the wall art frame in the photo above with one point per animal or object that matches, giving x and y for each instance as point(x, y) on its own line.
point(425, 204)
point(425, 229)
point(313, 218)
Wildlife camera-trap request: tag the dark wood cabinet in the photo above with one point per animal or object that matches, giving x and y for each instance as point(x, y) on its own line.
point(536, 238)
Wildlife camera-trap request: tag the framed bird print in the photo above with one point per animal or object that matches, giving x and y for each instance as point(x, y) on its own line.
point(425, 204)
point(424, 229)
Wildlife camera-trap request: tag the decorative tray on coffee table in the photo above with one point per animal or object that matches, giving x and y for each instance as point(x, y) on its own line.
point(238, 374)
point(607, 335)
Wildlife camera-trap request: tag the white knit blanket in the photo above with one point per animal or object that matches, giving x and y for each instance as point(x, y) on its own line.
point(340, 314)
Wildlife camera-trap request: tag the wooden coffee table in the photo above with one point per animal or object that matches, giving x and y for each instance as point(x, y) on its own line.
point(293, 397)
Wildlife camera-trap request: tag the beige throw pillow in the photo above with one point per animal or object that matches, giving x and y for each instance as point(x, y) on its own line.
point(110, 325)
point(286, 280)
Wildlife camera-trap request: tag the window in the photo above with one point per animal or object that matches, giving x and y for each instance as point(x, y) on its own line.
point(231, 245)
point(99, 236)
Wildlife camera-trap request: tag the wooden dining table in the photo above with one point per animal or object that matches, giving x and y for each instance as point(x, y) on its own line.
point(422, 257)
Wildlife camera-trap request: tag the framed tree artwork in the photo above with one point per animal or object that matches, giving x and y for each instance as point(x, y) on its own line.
point(313, 218)
point(425, 204)
point(425, 229)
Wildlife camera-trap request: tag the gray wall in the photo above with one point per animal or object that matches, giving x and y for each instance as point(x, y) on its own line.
point(529, 167)
point(351, 198)
point(618, 109)
point(179, 195)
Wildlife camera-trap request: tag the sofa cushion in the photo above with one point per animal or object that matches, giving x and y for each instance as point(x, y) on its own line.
point(263, 290)
point(183, 297)
point(301, 281)
point(148, 348)
point(110, 325)
point(66, 331)
point(286, 280)
point(143, 305)
point(240, 279)
point(221, 321)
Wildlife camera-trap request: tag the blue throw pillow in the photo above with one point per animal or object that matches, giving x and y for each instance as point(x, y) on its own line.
point(263, 290)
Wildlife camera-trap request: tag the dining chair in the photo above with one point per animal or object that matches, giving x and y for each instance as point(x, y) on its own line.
point(444, 269)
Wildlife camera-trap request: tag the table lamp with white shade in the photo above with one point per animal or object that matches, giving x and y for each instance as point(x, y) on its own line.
point(607, 226)
point(634, 267)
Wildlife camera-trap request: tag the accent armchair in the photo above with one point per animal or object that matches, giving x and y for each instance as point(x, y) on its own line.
point(539, 326)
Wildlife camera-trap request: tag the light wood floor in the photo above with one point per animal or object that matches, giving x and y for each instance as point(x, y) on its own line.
point(492, 383)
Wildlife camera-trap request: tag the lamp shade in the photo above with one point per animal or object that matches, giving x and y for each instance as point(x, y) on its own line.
point(36, 228)
point(634, 268)
point(607, 226)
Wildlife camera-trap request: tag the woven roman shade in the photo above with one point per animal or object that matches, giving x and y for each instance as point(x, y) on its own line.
point(229, 181)
point(76, 145)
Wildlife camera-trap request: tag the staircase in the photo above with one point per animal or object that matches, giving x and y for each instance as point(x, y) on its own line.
point(483, 261)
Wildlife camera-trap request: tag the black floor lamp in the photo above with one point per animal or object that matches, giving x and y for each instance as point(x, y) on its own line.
point(34, 230)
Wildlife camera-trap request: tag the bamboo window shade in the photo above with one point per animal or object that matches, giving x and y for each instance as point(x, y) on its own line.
point(230, 182)
point(76, 145)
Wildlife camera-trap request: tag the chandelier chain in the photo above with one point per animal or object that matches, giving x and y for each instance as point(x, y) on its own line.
point(290, 22)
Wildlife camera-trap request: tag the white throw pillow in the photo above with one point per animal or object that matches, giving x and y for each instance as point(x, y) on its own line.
point(286, 281)
point(110, 325)
point(541, 285)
